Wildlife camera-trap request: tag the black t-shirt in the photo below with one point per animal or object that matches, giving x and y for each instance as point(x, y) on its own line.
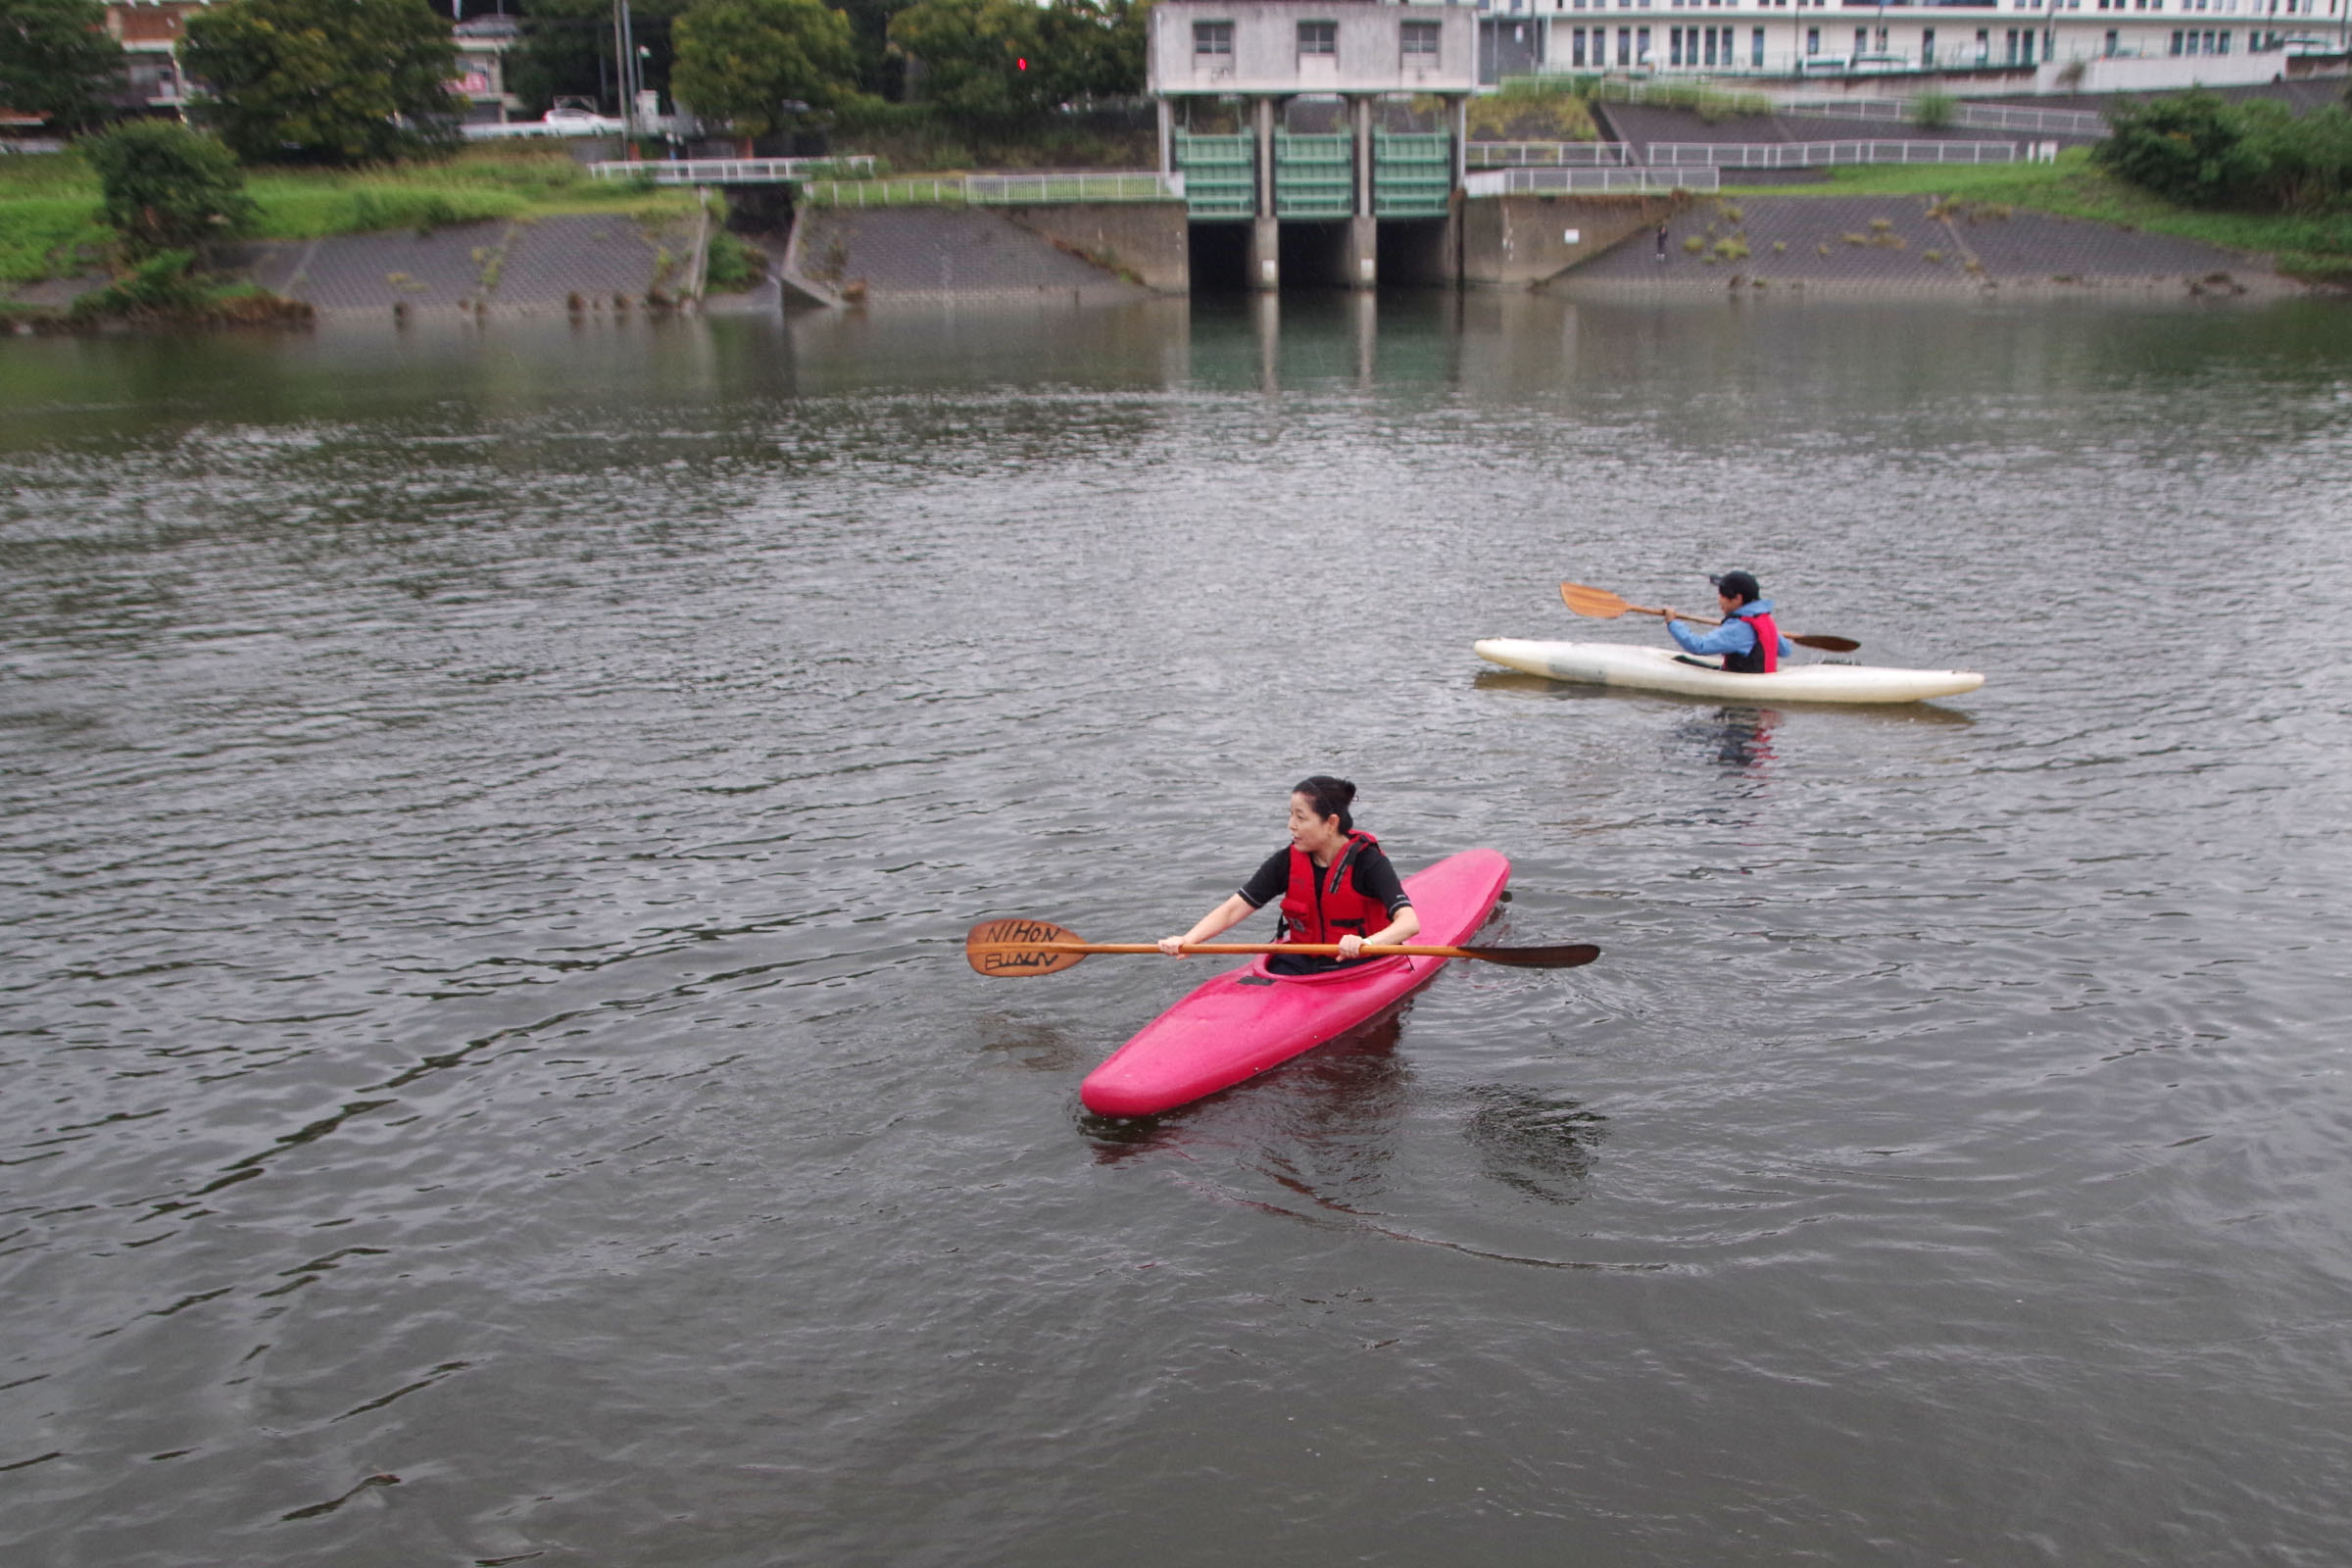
point(1375, 878)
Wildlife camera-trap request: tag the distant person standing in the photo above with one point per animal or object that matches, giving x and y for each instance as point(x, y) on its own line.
point(1661, 242)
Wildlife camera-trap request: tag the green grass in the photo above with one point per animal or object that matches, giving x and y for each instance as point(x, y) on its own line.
point(2318, 245)
point(48, 237)
point(49, 203)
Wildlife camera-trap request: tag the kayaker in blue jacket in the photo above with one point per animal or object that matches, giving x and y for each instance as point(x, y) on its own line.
point(1335, 883)
point(1749, 639)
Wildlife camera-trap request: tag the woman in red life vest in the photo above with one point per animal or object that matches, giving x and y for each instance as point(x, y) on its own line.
point(1748, 640)
point(1334, 884)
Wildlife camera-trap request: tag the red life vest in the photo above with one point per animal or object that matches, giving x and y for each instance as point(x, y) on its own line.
point(1765, 656)
point(1324, 906)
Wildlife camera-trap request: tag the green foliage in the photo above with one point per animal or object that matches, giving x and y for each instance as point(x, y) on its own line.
point(2255, 155)
point(344, 82)
point(1933, 111)
point(732, 264)
point(977, 59)
point(1092, 49)
point(567, 50)
point(163, 284)
point(166, 287)
point(47, 236)
point(739, 60)
point(1530, 109)
point(167, 187)
point(57, 61)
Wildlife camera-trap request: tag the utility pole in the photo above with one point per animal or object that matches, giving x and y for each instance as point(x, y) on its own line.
point(621, 59)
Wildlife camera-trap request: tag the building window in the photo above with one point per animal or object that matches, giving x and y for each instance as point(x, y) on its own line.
point(1318, 38)
point(1213, 38)
point(1812, 41)
point(1926, 46)
point(1419, 40)
point(1756, 57)
point(1576, 42)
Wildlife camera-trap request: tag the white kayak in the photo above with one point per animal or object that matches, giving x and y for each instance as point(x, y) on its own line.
point(1660, 669)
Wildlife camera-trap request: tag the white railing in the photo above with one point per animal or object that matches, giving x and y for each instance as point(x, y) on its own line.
point(992, 190)
point(1550, 154)
point(2049, 122)
point(1974, 117)
point(733, 171)
point(1824, 154)
point(1522, 181)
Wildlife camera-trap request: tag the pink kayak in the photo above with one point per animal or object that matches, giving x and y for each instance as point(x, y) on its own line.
point(1247, 1021)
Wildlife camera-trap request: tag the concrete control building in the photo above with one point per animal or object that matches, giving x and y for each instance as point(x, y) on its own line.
point(1335, 186)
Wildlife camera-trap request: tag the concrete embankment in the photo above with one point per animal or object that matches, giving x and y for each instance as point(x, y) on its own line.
point(1912, 244)
point(1088, 254)
point(532, 266)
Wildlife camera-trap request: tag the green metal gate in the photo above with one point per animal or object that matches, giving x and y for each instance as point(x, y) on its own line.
point(1314, 177)
point(1220, 174)
point(1412, 174)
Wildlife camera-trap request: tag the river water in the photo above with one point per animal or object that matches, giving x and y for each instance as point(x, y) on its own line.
point(488, 820)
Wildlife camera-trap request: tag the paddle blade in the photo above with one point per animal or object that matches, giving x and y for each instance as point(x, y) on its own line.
point(1569, 957)
point(1009, 950)
point(1598, 603)
point(1827, 645)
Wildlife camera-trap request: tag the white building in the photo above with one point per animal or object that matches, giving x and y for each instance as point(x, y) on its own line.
point(1786, 38)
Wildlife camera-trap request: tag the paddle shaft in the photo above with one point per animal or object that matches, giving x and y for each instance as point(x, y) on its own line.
point(1319, 949)
point(1603, 604)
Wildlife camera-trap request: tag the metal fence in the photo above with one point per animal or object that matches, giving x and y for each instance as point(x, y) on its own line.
point(1824, 154)
point(992, 190)
point(733, 171)
point(1550, 154)
point(2049, 122)
point(1974, 116)
point(1525, 181)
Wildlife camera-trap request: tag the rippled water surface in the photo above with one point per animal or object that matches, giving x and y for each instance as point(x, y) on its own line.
point(487, 823)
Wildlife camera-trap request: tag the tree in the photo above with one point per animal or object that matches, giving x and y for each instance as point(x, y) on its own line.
point(165, 187)
point(343, 81)
point(740, 60)
point(568, 50)
point(980, 59)
point(58, 61)
point(1091, 48)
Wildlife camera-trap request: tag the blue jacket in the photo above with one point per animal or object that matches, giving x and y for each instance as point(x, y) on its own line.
point(1734, 636)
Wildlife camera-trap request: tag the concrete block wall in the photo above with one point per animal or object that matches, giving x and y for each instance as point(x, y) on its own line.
point(1147, 241)
point(1520, 242)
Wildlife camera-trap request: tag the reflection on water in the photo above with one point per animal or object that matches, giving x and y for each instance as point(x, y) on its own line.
point(1737, 739)
point(1541, 1144)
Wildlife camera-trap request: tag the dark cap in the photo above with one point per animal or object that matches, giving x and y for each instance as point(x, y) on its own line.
point(1740, 583)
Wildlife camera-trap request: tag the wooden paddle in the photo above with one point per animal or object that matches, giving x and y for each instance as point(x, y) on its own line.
point(1016, 949)
point(1603, 604)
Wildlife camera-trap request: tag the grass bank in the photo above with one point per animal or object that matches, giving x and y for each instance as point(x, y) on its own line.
point(49, 224)
point(2317, 248)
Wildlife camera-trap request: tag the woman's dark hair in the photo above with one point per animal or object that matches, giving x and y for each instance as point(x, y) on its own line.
point(1328, 797)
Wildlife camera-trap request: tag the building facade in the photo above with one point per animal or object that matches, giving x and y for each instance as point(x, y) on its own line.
point(1796, 38)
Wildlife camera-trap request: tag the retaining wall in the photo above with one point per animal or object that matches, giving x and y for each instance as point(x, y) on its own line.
point(1145, 240)
point(1521, 241)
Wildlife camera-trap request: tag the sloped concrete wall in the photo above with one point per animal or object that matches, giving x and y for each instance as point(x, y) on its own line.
point(1520, 242)
point(1143, 241)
